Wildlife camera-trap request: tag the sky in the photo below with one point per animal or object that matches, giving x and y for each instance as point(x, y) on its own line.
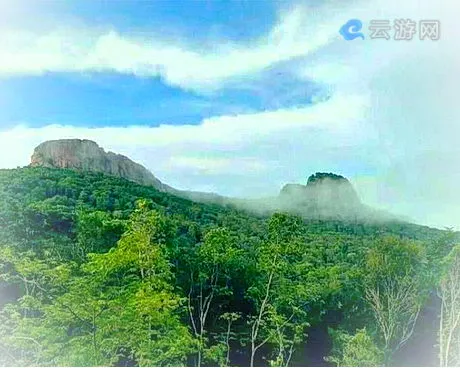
point(242, 97)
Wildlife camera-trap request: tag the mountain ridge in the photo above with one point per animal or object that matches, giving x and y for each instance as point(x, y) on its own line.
point(87, 155)
point(325, 195)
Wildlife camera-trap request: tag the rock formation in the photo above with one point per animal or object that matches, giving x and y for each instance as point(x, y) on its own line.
point(325, 195)
point(86, 155)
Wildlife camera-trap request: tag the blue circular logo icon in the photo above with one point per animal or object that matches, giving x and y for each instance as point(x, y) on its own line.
point(350, 30)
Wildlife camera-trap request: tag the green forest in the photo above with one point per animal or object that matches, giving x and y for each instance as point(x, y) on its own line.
point(100, 271)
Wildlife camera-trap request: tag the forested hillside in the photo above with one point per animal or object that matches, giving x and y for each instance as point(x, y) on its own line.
point(98, 270)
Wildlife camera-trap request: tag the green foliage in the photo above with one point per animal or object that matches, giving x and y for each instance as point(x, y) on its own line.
point(285, 287)
point(97, 270)
point(96, 232)
point(358, 350)
point(449, 294)
point(121, 305)
point(396, 288)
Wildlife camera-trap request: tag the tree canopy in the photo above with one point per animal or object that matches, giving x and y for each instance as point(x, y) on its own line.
point(97, 270)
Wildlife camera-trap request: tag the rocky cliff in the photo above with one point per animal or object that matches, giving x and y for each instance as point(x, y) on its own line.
point(324, 195)
point(86, 155)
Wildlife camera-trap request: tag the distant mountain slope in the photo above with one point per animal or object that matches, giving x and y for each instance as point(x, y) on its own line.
point(38, 194)
point(86, 155)
point(52, 221)
point(58, 224)
point(325, 195)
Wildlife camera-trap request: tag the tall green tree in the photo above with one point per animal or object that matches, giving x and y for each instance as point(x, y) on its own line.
point(120, 305)
point(395, 290)
point(358, 350)
point(449, 323)
point(285, 286)
point(210, 276)
point(138, 281)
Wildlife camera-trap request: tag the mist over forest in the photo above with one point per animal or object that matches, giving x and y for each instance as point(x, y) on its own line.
point(99, 270)
point(229, 183)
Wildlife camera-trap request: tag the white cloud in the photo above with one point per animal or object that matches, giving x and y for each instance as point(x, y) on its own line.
point(75, 51)
point(216, 166)
point(412, 87)
point(335, 118)
point(391, 124)
point(300, 31)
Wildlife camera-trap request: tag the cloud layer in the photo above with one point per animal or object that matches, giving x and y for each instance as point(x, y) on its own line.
point(389, 122)
point(238, 144)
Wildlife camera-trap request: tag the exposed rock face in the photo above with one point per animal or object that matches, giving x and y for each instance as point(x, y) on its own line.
point(293, 190)
point(82, 154)
point(332, 189)
point(324, 195)
point(86, 155)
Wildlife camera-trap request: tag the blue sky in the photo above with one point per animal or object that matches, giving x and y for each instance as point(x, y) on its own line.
point(110, 99)
point(224, 18)
point(106, 98)
point(102, 99)
point(240, 97)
